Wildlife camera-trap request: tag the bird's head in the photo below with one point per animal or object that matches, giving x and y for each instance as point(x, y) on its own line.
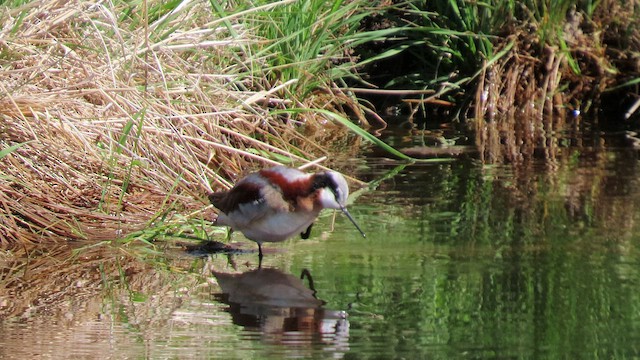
point(334, 193)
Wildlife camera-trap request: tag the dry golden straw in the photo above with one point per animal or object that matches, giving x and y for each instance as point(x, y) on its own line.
point(119, 126)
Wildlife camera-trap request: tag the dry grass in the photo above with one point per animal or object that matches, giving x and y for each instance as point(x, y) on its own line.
point(516, 108)
point(534, 91)
point(125, 124)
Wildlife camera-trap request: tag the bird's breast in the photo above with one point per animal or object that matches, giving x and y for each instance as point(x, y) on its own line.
point(278, 226)
point(306, 204)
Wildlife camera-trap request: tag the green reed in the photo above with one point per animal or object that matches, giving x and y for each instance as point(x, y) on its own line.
point(309, 41)
point(449, 41)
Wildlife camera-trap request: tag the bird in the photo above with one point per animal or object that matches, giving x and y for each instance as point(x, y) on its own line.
point(274, 204)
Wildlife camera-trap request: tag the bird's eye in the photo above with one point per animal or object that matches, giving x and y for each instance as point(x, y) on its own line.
point(338, 194)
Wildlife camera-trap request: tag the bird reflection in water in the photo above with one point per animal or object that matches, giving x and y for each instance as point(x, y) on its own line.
point(283, 309)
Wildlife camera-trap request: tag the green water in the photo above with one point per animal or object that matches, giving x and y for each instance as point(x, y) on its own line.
point(461, 260)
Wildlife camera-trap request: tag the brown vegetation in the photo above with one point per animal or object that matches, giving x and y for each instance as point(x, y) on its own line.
point(118, 129)
point(537, 90)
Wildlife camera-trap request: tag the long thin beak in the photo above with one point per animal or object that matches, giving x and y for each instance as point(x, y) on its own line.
point(344, 210)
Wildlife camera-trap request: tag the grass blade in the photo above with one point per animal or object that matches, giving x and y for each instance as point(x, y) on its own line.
point(6, 151)
point(362, 133)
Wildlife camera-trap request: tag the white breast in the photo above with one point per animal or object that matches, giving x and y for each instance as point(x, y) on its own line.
point(278, 227)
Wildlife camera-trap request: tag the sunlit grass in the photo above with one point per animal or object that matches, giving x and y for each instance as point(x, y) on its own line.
point(308, 41)
point(130, 113)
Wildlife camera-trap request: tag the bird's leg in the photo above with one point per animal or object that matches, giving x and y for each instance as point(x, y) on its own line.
point(306, 273)
point(306, 233)
point(259, 255)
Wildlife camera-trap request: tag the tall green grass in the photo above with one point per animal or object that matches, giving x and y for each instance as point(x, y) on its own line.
point(309, 41)
point(437, 43)
point(445, 44)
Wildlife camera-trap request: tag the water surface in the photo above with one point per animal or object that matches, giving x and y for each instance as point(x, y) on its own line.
point(536, 259)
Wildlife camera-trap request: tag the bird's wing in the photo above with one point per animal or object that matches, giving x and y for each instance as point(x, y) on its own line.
point(268, 201)
point(250, 200)
point(245, 191)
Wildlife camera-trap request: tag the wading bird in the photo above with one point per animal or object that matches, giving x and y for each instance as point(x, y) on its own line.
point(274, 204)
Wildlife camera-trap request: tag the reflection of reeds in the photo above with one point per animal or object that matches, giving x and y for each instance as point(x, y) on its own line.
point(527, 108)
point(56, 299)
point(51, 281)
point(556, 175)
point(518, 106)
